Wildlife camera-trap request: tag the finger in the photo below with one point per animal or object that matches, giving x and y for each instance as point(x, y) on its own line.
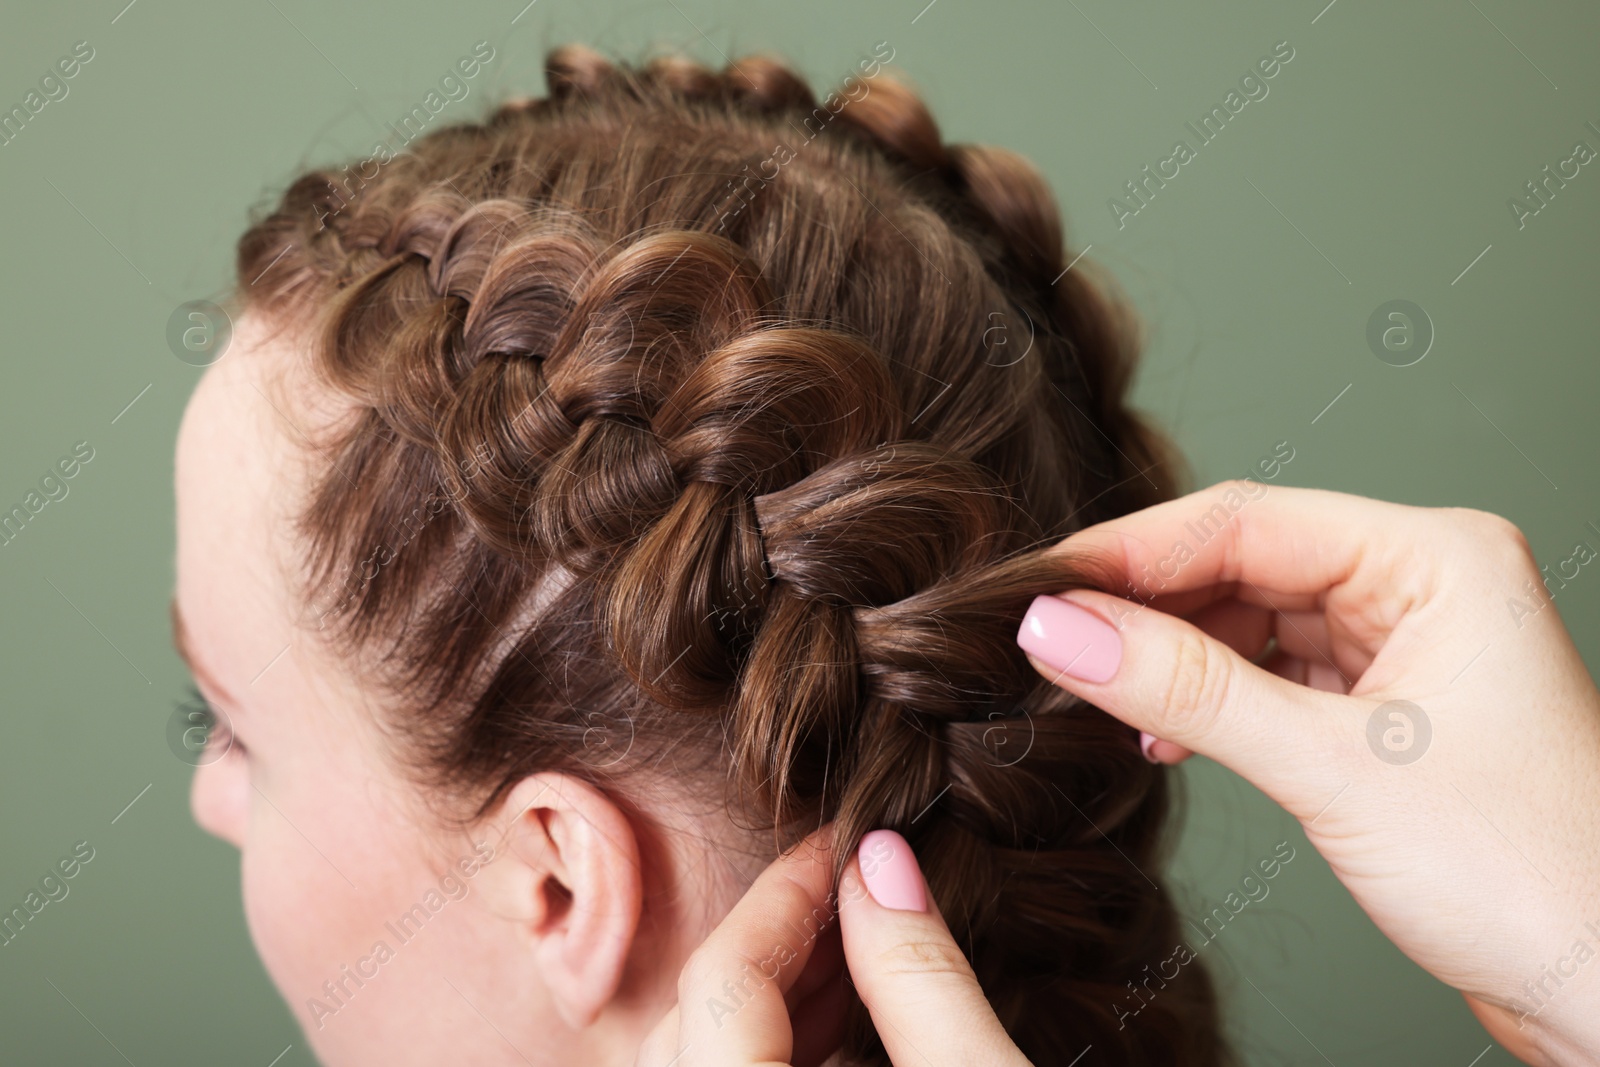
point(1250, 630)
point(1160, 750)
point(924, 999)
point(1304, 634)
point(1165, 676)
point(1184, 603)
point(1313, 674)
point(1507, 1029)
point(1289, 668)
point(732, 1011)
point(818, 1002)
point(825, 966)
point(1245, 628)
point(1282, 540)
point(819, 1022)
point(1326, 678)
point(661, 1046)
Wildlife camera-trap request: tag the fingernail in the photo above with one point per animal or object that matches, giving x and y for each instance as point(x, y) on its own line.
point(1146, 743)
point(890, 870)
point(1071, 639)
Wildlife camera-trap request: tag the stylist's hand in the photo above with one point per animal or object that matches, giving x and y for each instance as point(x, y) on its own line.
point(1476, 849)
point(766, 988)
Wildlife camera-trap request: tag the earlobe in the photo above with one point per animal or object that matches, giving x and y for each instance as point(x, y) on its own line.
point(574, 860)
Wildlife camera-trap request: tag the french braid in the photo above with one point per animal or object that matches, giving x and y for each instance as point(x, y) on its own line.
point(759, 492)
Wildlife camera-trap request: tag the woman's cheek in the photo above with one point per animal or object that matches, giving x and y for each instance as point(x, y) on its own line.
point(303, 917)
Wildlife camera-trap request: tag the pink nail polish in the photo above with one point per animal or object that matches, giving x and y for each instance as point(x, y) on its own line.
point(1071, 639)
point(890, 870)
point(1147, 742)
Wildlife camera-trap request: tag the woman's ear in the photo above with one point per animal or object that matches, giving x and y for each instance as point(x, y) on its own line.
point(568, 875)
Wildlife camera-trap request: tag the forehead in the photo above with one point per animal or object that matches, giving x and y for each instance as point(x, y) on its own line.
point(238, 475)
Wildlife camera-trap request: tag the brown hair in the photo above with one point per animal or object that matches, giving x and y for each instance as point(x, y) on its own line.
point(727, 427)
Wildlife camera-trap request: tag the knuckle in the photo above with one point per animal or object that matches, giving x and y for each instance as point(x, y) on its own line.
point(700, 971)
point(1496, 533)
point(1234, 485)
point(924, 959)
point(1198, 686)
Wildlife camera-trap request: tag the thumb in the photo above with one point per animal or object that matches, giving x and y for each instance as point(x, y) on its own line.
point(925, 1001)
point(1160, 674)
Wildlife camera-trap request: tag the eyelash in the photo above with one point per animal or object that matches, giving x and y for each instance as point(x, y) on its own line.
point(217, 732)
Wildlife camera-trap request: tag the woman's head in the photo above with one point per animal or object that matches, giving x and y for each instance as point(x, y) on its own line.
point(601, 497)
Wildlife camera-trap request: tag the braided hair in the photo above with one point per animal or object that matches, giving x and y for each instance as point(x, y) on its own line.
point(737, 424)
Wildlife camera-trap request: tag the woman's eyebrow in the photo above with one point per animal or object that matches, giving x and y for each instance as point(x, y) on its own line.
point(180, 641)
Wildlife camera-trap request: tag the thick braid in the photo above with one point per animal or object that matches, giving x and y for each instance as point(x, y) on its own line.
point(797, 509)
point(1014, 204)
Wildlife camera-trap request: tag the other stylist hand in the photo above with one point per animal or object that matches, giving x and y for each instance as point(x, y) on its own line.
point(766, 987)
point(1420, 708)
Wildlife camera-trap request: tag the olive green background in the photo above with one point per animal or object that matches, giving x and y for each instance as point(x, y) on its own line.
point(1378, 167)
